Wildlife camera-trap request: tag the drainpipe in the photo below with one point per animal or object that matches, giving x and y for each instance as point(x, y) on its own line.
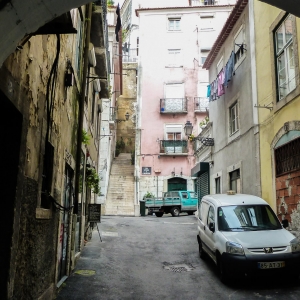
point(81, 105)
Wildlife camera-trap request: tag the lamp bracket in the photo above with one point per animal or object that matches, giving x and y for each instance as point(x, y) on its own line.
point(265, 106)
point(205, 140)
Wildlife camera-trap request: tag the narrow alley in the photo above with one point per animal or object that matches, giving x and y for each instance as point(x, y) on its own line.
point(157, 258)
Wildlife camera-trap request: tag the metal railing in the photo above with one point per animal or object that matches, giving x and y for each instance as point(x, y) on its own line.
point(173, 147)
point(203, 2)
point(130, 55)
point(173, 105)
point(201, 104)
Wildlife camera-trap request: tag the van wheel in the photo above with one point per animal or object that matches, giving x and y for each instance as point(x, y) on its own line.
point(190, 213)
point(159, 214)
point(201, 251)
point(175, 211)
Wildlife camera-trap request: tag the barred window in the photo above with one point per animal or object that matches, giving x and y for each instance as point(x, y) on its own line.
point(287, 157)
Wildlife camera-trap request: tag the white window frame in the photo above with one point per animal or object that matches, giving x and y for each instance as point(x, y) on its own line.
point(174, 57)
point(234, 118)
point(289, 83)
point(206, 22)
point(239, 39)
point(175, 129)
point(174, 24)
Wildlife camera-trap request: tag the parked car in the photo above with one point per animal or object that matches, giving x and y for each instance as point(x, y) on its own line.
point(243, 236)
point(173, 202)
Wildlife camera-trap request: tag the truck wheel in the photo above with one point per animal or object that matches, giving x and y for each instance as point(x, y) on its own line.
point(159, 214)
point(175, 211)
point(190, 213)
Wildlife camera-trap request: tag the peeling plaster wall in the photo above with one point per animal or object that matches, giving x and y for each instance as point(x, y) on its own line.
point(127, 103)
point(288, 198)
point(24, 76)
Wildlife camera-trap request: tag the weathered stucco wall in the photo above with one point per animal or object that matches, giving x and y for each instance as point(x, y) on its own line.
point(126, 103)
point(24, 78)
point(286, 110)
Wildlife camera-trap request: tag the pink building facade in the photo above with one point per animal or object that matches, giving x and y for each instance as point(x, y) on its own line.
point(172, 89)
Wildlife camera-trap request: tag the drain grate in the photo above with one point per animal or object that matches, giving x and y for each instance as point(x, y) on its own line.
point(178, 268)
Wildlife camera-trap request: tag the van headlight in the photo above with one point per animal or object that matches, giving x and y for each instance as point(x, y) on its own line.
point(295, 245)
point(234, 248)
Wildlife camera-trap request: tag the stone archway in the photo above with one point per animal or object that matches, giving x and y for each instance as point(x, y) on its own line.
point(19, 18)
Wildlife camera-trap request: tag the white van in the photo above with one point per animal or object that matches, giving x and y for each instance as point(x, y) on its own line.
point(243, 236)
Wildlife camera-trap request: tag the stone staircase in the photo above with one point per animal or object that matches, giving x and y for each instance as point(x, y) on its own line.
point(120, 196)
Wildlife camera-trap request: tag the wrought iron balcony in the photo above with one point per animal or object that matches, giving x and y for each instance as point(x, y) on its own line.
point(173, 105)
point(201, 104)
point(173, 147)
point(203, 2)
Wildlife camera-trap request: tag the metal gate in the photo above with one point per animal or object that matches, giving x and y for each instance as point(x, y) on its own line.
point(202, 186)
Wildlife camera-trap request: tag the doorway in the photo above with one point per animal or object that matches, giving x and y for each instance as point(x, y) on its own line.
point(11, 130)
point(177, 184)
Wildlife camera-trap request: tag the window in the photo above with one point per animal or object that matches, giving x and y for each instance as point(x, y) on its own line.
point(239, 45)
point(173, 142)
point(234, 178)
point(174, 57)
point(47, 176)
point(78, 47)
point(287, 157)
point(234, 118)
point(218, 185)
point(211, 215)
point(195, 2)
point(206, 23)
point(93, 107)
point(203, 59)
point(174, 24)
point(285, 57)
point(247, 218)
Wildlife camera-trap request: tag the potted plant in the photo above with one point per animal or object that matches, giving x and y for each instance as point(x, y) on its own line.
point(204, 122)
point(92, 180)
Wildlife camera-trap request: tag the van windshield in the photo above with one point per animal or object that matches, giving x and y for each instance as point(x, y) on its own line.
point(247, 218)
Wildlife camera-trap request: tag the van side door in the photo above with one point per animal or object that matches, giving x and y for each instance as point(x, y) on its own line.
point(210, 232)
point(202, 218)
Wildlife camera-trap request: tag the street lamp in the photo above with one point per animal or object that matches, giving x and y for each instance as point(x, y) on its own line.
point(188, 128)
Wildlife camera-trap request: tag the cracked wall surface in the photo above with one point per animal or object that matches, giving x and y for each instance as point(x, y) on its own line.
point(288, 199)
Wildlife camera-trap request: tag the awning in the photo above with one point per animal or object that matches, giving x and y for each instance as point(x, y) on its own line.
point(199, 169)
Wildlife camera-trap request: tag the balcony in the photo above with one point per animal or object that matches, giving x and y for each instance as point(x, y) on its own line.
point(201, 104)
point(173, 105)
point(173, 147)
point(130, 55)
point(203, 2)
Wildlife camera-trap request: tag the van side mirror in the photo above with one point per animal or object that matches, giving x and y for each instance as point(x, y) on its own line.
point(285, 223)
point(211, 227)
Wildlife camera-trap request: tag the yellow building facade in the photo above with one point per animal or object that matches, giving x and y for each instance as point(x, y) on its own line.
point(278, 91)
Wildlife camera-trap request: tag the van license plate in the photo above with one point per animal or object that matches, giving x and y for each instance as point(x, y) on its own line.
point(271, 265)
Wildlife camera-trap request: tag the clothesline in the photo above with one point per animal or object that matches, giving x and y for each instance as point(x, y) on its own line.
point(217, 87)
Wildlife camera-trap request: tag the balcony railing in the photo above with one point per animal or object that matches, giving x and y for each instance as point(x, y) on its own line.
point(173, 105)
point(201, 104)
point(173, 147)
point(130, 55)
point(203, 2)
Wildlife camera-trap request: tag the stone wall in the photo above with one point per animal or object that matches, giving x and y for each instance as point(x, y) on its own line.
point(288, 198)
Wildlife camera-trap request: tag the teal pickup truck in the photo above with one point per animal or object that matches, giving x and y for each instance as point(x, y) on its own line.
point(173, 202)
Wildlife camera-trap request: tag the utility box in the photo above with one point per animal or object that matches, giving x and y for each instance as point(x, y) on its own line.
point(142, 208)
